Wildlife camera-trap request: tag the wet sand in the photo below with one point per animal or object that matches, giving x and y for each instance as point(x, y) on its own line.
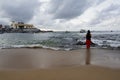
point(45, 64)
point(45, 58)
point(39, 58)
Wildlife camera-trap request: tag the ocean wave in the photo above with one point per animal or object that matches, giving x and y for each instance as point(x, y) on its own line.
point(59, 41)
point(33, 47)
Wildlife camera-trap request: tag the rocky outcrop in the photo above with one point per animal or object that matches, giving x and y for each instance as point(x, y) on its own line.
point(83, 43)
point(11, 30)
point(80, 43)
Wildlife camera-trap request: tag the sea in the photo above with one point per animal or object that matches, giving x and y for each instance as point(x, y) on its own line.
point(60, 40)
point(67, 41)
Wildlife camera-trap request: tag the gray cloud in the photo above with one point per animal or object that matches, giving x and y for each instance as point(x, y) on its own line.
point(113, 11)
point(62, 14)
point(19, 10)
point(67, 9)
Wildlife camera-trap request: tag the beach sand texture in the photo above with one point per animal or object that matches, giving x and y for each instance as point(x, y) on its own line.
point(77, 73)
point(45, 64)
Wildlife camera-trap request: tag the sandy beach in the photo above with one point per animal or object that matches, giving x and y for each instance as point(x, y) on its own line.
point(46, 64)
point(76, 73)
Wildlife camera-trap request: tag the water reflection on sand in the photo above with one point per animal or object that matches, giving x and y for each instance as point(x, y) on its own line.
point(44, 58)
point(30, 58)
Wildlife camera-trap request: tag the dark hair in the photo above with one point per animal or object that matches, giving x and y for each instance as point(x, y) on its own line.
point(88, 35)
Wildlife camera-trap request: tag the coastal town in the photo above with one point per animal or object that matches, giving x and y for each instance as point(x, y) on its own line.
point(20, 27)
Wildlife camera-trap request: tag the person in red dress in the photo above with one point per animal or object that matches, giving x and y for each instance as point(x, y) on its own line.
point(88, 39)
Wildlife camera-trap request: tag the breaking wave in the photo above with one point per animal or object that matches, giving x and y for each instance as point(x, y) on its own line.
point(59, 40)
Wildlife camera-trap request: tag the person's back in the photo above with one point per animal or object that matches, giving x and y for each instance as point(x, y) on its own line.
point(88, 39)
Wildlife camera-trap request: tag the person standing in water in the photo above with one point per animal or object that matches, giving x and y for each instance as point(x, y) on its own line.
point(88, 39)
point(88, 43)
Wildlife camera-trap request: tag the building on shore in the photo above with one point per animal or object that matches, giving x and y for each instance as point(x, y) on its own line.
point(21, 25)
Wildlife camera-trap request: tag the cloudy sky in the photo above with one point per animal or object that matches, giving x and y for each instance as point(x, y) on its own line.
point(63, 14)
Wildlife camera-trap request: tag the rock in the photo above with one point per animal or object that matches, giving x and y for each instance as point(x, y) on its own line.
point(83, 43)
point(93, 44)
point(80, 43)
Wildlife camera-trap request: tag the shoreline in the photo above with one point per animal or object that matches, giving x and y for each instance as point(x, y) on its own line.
point(58, 49)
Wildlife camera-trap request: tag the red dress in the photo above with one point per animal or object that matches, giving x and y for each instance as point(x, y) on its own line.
point(88, 41)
